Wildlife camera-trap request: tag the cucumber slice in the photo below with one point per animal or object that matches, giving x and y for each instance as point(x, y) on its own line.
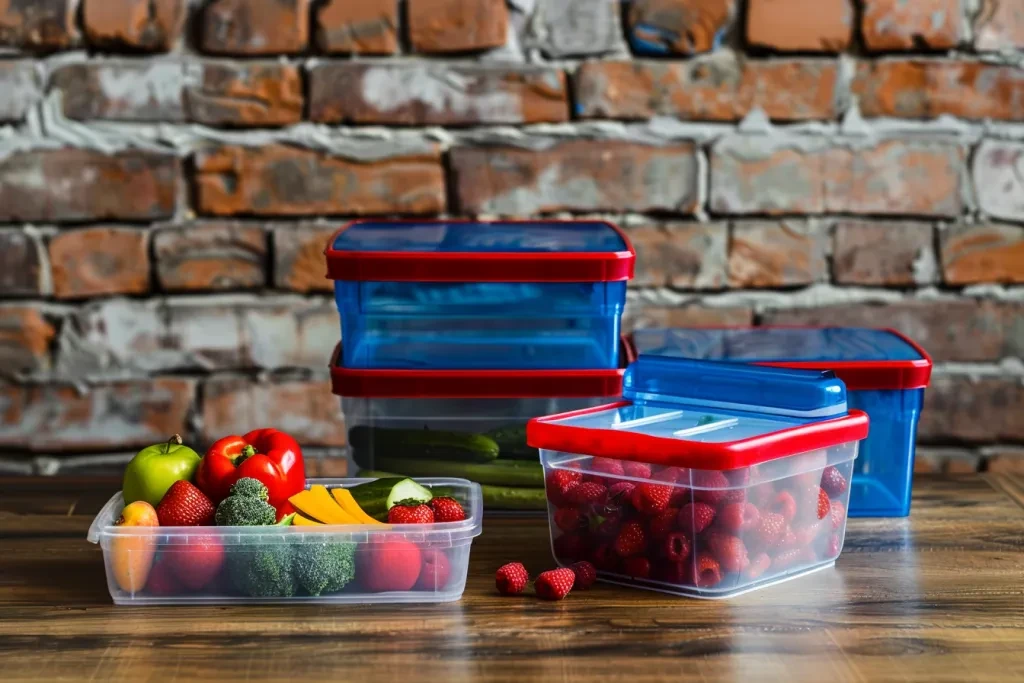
point(408, 490)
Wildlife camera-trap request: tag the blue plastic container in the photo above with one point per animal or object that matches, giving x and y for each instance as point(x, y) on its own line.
point(885, 374)
point(471, 295)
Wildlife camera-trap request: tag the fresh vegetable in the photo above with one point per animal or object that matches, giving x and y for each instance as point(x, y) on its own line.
point(317, 504)
point(447, 509)
point(268, 455)
point(246, 506)
point(131, 555)
point(154, 469)
point(287, 520)
point(423, 444)
point(498, 473)
point(494, 497)
point(372, 496)
point(554, 584)
point(263, 572)
point(435, 572)
point(585, 573)
point(324, 566)
point(511, 579)
point(408, 491)
point(198, 562)
point(511, 442)
point(388, 565)
point(343, 497)
point(301, 520)
point(416, 513)
point(185, 505)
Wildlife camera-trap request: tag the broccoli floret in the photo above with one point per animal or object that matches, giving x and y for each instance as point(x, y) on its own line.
point(264, 573)
point(250, 488)
point(246, 506)
point(323, 567)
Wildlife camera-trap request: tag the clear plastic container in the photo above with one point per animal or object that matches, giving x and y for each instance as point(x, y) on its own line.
point(885, 375)
point(475, 295)
point(709, 480)
point(268, 564)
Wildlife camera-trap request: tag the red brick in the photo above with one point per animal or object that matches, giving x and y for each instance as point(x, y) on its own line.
point(577, 175)
point(770, 254)
point(246, 94)
point(682, 255)
point(23, 268)
point(99, 261)
point(998, 180)
point(364, 27)
point(123, 415)
point(299, 258)
point(19, 87)
point(959, 408)
point(282, 180)
point(716, 88)
point(800, 25)
point(889, 25)
point(79, 185)
point(25, 337)
point(207, 255)
point(765, 175)
point(152, 25)
point(638, 317)
point(255, 27)
point(999, 25)
point(436, 94)
point(942, 328)
point(891, 254)
point(456, 25)
point(305, 409)
point(42, 25)
point(982, 253)
point(577, 28)
point(930, 88)
point(680, 26)
point(327, 466)
point(125, 90)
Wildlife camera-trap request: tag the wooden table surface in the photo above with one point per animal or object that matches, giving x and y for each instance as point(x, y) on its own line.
point(936, 597)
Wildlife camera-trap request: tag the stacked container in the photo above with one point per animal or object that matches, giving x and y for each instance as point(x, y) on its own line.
point(454, 334)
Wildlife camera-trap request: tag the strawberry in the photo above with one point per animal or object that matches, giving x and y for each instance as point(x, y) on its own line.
point(770, 529)
point(757, 567)
point(162, 581)
point(195, 565)
point(585, 573)
point(185, 505)
point(835, 545)
point(604, 466)
point(729, 550)
point(569, 547)
point(707, 572)
point(737, 517)
point(833, 481)
point(637, 567)
point(557, 484)
point(637, 470)
point(388, 565)
point(568, 519)
point(650, 499)
point(662, 524)
point(784, 504)
point(435, 571)
point(695, 518)
point(410, 514)
point(554, 584)
point(447, 510)
point(511, 579)
point(631, 540)
point(814, 503)
point(838, 513)
point(676, 548)
point(586, 493)
point(603, 557)
point(709, 486)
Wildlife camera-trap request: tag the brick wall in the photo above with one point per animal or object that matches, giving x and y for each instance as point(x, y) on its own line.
point(169, 171)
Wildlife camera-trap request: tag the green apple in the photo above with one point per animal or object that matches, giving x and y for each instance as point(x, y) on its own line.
point(152, 471)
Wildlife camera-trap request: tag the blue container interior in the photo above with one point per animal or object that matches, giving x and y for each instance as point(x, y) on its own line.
point(883, 473)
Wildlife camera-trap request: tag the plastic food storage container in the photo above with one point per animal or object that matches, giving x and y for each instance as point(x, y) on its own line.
point(464, 423)
point(708, 480)
point(293, 564)
point(459, 295)
point(885, 375)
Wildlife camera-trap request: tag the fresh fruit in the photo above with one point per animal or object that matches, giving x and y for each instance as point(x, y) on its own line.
point(835, 544)
point(435, 571)
point(511, 579)
point(414, 513)
point(694, 518)
point(729, 550)
point(833, 481)
point(676, 547)
point(738, 517)
point(650, 499)
point(447, 510)
point(605, 470)
point(838, 514)
point(185, 505)
point(267, 455)
point(631, 540)
point(585, 573)
point(408, 490)
point(131, 554)
point(757, 567)
point(620, 493)
point(554, 584)
point(423, 444)
point(675, 572)
point(814, 503)
point(568, 519)
point(343, 497)
point(807, 533)
point(604, 558)
point(662, 524)
point(389, 565)
point(761, 495)
point(558, 483)
point(770, 529)
point(604, 527)
point(637, 470)
point(707, 572)
point(198, 562)
point(784, 504)
point(738, 477)
point(162, 581)
point(154, 469)
point(589, 492)
point(709, 486)
point(637, 567)
point(788, 541)
point(569, 547)
point(680, 495)
point(246, 506)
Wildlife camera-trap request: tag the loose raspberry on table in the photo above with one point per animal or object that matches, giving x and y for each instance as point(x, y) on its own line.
point(631, 540)
point(709, 486)
point(729, 550)
point(737, 517)
point(511, 578)
point(833, 481)
point(585, 573)
point(554, 584)
point(694, 518)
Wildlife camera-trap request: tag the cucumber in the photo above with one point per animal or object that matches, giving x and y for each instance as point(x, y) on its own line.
point(407, 491)
point(511, 442)
point(498, 473)
point(372, 496)
point(424, 443)
point(494, 497)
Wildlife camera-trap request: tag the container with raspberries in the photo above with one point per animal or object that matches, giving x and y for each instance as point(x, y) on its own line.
point(706, 480)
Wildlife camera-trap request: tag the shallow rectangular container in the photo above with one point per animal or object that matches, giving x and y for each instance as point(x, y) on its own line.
point(241, 549)
point(466, 423)
point(480, 295)
point(708, 480)
point(885, 375)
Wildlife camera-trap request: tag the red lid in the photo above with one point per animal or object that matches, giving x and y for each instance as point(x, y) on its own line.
point(547, 433)
point(476, 251)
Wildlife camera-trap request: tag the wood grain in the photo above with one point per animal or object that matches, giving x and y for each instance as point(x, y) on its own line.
point(937, 597)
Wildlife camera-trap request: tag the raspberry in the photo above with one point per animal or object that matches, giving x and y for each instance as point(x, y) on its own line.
point(737, 517)
point(807, 533)
point(734, 496)
point(619, 494)
point(675, 572)
point(604, 558)
point(637, 567)
point(650, 499)
point(813, 503)
point(788, 559)
point(554, 584)
point(788, 541)
point(709, 486)
point(676, 547)
point(695, 518)
point(838, 513)
point(761, 495)
point(631, 540)
point(672, 475)
point(757, 567)
point(637, 470)
point(586, 493)
point(585, 573)
point(707, 572)
point(557, 484)
point(662, 524)
point(770, 530)
point(511, 578)
point(729, 551)
point(569, 547)
point(568, 519)
point(835, 544)
point(604, 466)
point(605, 528)
point(784, 504)
point(833, 481)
